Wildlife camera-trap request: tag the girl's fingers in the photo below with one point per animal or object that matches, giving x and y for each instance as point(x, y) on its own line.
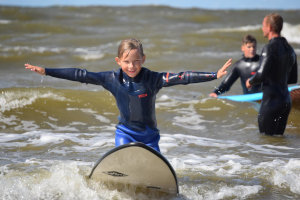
point(36, 69)
point(227, 64)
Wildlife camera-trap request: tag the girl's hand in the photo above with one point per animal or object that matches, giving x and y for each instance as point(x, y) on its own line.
point(223, 71)
point(36, 69)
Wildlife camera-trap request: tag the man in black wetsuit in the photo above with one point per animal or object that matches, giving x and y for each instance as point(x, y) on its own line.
point(243, 69)
point(134, 88)
point(278, 68)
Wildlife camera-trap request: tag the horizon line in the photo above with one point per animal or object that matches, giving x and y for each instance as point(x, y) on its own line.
point(144, 5)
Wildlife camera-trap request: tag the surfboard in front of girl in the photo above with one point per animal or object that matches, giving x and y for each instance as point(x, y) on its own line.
point(137, 165)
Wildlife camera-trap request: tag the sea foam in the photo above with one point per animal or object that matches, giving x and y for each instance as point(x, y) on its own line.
point(17, 99)
point(291, 32)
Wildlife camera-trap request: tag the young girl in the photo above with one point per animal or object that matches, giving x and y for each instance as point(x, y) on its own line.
point(134, 88)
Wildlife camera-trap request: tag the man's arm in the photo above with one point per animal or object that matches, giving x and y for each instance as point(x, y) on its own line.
point(293, 75)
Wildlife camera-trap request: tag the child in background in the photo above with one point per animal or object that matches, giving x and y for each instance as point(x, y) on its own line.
point(134, 88)
point(244, 68)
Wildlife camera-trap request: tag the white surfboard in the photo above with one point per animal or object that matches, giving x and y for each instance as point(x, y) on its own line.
point(138, 165)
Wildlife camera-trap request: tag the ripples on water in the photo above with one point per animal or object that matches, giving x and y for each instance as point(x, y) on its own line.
point(52, 131)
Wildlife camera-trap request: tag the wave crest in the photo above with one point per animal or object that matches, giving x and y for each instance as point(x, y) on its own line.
point(17, 99)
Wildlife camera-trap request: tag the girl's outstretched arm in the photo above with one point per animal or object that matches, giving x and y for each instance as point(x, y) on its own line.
point(39, 70)
point(223, 71)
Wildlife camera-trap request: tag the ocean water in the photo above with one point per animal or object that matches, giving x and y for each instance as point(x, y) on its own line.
point(53, 131)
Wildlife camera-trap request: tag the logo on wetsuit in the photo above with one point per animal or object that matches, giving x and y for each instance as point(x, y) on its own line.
point(143, 95)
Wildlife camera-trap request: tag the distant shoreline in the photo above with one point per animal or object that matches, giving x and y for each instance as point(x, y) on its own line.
point(143, 5)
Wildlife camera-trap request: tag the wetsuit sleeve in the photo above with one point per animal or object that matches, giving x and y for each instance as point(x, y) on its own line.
point(183, 78)
point(265, 67)
point(75, 74)
point(293, 76)
point(228, 81)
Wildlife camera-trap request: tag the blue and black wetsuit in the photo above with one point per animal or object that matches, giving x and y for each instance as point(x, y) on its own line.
point(135, 97)
point(243, 69)
point(278, 69)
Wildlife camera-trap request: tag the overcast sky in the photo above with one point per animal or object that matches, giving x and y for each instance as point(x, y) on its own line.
point(210, 4)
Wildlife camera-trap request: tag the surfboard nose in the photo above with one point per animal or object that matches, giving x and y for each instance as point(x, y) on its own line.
point(138, 165)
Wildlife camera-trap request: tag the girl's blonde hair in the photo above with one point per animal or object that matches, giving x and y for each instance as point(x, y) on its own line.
point(128, 45)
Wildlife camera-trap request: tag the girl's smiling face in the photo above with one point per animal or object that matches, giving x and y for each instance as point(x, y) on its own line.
point(131, 62)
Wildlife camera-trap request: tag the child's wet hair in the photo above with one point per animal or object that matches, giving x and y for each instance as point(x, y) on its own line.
point(128, 45)
point(249, 39)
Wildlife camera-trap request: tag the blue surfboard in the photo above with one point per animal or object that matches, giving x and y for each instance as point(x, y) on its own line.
point(251, 97)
